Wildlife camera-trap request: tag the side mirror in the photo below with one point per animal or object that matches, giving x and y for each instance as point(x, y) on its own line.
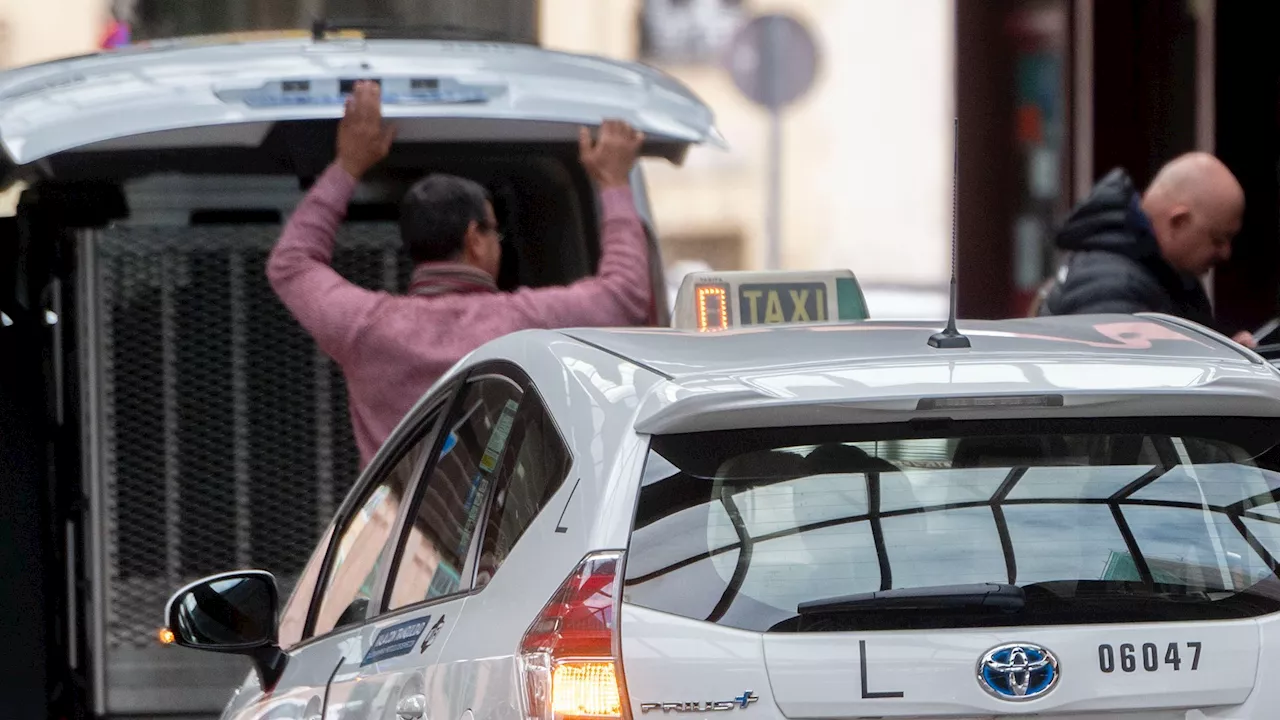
point(234, 613)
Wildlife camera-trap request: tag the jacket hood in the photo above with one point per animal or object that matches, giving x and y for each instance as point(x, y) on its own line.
point(1110, 219)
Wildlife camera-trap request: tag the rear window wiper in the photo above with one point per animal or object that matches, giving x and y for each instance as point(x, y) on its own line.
point(990, 596)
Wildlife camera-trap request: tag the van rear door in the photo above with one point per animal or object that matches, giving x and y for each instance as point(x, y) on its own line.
point(185, 95)
point(1089, 569)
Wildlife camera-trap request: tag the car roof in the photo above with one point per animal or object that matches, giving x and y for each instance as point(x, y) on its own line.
point(679, 354)
point(879, 371)
point(180, 93)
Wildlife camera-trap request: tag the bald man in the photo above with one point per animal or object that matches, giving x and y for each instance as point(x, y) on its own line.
point(1132, 252)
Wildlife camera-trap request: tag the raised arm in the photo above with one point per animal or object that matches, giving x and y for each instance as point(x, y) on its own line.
point(331, 308)
point(620, 293)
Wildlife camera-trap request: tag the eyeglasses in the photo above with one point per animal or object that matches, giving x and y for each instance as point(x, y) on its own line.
point(493, 228)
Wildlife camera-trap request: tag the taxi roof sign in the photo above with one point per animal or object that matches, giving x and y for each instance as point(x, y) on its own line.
point(714, 301)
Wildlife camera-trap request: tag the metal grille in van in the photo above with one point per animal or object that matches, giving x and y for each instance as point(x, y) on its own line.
point(224, 440)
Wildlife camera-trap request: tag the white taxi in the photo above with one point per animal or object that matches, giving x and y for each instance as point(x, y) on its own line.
point(1071, 517)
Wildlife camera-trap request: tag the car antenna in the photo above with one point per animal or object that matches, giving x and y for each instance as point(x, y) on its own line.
point(950, 338)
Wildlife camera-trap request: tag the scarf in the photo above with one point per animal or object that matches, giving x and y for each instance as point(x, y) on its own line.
point(445, 278)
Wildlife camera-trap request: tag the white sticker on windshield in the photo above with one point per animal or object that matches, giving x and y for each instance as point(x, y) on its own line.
point(498, 440)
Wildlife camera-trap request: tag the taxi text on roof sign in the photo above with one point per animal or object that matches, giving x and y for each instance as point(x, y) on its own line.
point(714, 301)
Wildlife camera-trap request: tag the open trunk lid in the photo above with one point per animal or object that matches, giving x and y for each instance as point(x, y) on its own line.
point(1081, 569)
point(192, 94)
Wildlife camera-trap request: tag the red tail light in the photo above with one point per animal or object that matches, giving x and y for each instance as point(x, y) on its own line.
point(567, 657)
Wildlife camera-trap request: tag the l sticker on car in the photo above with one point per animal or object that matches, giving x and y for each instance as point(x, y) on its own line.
point(395, 641)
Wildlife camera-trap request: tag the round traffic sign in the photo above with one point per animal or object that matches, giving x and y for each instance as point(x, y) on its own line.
point(773, 60)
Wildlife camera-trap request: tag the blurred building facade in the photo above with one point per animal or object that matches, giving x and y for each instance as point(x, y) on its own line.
point(866, 173)
point(32, 32)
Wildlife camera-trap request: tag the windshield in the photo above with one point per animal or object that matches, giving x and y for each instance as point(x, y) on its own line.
point(1093, 524)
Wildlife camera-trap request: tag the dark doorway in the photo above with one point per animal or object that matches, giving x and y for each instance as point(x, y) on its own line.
point(984, 106)
point(1013, 64)
point(1144, 83)
point(1248, 141)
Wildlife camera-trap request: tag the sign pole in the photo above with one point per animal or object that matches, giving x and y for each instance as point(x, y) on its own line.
point(774, 222)
point(773, 60)
point(773, 67)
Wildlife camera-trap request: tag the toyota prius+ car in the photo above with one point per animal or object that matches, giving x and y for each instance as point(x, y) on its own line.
point(1072, 517)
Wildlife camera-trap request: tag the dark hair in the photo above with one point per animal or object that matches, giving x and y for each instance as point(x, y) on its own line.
point(435, 213)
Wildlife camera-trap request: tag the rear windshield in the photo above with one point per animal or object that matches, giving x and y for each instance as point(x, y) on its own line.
point(893, 527)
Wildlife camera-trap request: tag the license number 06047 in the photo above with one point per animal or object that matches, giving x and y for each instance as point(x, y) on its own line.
point(1150, 657)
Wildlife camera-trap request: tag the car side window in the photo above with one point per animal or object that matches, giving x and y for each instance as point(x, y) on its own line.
point(447, 511)
point(293, 619)
point(363, 546)
point(533, 469)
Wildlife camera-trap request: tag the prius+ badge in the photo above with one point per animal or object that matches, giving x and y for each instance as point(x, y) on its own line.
point(742, 701)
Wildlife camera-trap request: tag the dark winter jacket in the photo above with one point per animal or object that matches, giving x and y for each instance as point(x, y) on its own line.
point(1115, 265)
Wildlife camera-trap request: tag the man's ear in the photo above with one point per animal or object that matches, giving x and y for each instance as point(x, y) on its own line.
point(1179, 216)
point(471, 240)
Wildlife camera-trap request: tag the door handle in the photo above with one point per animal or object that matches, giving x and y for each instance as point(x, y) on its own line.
point(413, 707)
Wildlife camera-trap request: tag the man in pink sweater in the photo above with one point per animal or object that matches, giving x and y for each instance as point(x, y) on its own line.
point(392, 348)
